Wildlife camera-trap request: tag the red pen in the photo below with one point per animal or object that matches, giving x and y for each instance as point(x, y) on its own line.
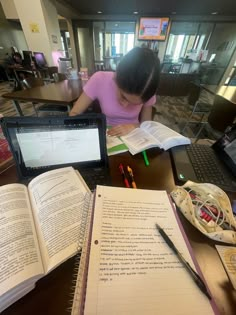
point(121, 168)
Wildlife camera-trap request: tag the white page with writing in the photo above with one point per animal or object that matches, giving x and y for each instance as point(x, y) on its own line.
point(131, 269)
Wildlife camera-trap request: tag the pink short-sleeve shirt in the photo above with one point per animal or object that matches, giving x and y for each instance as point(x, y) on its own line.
point(102, 86)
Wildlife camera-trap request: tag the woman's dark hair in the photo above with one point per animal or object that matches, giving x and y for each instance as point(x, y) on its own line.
point(139, 73)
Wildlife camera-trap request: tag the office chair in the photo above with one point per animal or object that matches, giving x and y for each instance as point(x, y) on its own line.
point(45, 109)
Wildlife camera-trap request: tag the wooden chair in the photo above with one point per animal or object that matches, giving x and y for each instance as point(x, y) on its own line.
point(45, 109)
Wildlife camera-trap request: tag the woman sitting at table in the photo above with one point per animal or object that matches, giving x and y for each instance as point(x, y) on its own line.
point(125, 96)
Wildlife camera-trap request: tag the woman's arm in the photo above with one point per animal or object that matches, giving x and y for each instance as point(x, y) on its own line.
point(121, 130)
point(145, 114)
point(80, 105)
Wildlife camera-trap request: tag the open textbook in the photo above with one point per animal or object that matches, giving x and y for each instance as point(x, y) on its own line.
point(41, 226)
point(126, 267)
point(153, 134)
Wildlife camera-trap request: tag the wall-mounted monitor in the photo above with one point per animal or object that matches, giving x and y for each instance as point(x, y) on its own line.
point(153, 28)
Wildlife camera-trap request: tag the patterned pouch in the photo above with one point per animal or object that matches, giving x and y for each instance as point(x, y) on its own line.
point(208, 208)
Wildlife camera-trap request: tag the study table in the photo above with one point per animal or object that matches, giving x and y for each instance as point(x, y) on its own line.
point(61, 93)
point(54, 293)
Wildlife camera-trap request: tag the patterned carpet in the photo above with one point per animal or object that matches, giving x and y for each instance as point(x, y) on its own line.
point(6, 106)
point(170, 111)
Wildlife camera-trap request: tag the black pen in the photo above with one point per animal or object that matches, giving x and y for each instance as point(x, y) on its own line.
point(197, 279)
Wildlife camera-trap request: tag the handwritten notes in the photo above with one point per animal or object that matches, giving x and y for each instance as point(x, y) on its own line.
point(131, 269)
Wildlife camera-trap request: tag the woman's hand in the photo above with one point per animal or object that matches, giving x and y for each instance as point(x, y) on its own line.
point(121, 130)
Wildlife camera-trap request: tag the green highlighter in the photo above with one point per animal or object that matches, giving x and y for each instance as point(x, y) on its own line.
point(145, 158)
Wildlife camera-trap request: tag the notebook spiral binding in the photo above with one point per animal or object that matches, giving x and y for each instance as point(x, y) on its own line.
point(80, 274)
point(85, 210)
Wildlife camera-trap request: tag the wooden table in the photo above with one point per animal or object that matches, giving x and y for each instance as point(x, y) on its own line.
point(61, 93)
point(53, 293)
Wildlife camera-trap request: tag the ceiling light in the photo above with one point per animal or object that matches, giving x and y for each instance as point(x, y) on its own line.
point(99, 12)
point(135, 12)
point(173, 12)
point(214, 13)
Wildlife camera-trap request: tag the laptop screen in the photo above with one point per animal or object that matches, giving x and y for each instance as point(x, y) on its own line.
point(41, 144)
point(42, 148)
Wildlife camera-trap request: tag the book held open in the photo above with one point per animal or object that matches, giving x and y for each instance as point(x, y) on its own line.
point(40, 227)
point(153, 134)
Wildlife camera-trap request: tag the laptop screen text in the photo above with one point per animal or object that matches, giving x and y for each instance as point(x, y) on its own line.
point(42, 148)
point(40, 144)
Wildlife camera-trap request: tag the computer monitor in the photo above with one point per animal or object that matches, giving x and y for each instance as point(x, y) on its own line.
point(27, 55)
point(40, 60)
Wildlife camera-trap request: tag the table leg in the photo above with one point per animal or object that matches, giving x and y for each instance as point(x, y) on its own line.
point(17, 108)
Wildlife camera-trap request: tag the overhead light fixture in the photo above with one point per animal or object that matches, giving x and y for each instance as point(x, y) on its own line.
point(99, 12)
point(135, 12)
point(173, 12)
point(214, 13)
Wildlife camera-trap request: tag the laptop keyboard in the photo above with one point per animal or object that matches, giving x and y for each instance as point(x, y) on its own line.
point(94, 176)
point(207, 168)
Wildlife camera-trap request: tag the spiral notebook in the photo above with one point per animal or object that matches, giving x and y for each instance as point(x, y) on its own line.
point(126, 267)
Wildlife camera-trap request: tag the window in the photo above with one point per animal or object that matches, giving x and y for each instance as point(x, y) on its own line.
point(112, 40)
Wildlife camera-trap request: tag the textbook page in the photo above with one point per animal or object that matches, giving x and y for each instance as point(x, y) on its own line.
point(131, 268)
point(58, 198)
point(153, 134)
point(138, 140)
point(168, 137)
point(19, 252)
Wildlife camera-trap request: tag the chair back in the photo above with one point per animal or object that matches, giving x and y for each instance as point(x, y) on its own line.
point(31, 82)
point(51, 71)
point(99, 66)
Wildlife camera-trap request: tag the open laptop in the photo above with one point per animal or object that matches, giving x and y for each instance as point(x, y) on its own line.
point(214, 164)
point(42, 144)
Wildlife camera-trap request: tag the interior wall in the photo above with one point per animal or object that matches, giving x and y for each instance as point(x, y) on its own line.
point(11, 35)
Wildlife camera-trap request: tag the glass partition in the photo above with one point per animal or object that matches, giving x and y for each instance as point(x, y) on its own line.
point(204, 48)
point(112, 40)
point(220, 50)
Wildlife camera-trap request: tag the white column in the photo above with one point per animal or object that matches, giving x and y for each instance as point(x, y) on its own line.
point(39, 21)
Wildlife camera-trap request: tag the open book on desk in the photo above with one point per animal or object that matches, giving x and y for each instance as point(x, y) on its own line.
point(153, 134)
point(41, 226)
point(126, 267)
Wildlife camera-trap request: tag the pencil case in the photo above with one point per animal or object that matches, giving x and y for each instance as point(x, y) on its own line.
point(208, 208)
